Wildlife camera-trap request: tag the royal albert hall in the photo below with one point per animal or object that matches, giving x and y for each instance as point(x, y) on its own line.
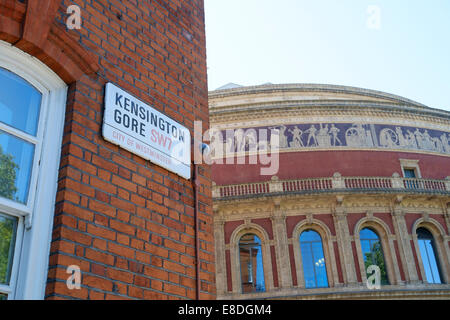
point(354, 203)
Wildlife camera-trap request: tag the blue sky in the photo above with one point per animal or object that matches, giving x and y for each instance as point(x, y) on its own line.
point(405, 50)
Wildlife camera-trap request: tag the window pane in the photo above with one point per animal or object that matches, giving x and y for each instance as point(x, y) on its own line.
point(16, 161)
point(310, 235)
point(19, 103)
point(368, 234)
point(251, 263)
point(409, 173)
point(308, 265)
point(8, 228)
point(433, 262)
point(314, 268)
point(426, 261)
point(373, 252)
point(428, 255)
point(319, 265)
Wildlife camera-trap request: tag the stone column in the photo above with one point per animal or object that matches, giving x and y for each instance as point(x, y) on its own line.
point(281, 244)
point(404, 246)
point(445, 241)
point(219, 240)
point(447, 217)
point(345, 247)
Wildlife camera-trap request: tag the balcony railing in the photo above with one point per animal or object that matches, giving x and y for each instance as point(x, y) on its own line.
point(337, 183)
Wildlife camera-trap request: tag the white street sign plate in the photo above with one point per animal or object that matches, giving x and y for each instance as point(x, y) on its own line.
point(137, 127)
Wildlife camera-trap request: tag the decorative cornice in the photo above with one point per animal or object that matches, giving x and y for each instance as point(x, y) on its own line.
point(306, 87)
point(294, 205)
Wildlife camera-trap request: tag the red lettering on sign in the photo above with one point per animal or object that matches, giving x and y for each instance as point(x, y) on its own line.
point(161, 139)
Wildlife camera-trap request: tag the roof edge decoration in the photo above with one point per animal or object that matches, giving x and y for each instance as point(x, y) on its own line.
point(308, 87)
point(341, 93)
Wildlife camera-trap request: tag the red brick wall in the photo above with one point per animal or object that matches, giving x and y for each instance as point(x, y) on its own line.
point(312, 164)
point(128, 224)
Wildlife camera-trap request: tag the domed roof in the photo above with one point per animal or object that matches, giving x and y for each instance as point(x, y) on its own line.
point(276, 96)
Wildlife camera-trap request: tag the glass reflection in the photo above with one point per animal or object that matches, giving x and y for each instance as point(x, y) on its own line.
point(16, 160)
point(252, 271)
point(8, 228)
point(428, 254)
point(373, 252)
point(314, 269)
point(19, 103)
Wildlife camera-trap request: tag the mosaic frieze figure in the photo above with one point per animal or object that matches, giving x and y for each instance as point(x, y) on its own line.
point(333, 135)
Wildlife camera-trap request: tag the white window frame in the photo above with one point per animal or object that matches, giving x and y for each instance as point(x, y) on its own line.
point(34, 231)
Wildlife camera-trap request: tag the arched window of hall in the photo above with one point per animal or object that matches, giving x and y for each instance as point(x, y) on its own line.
point(372, 250)
point(251, 264)
point(428, 253)
point(314, 268)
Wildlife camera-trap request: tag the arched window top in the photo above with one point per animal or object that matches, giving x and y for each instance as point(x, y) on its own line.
point(20, 103)
point(310, 235)
point(424, 234)
point(249, 239)
point(368, 234)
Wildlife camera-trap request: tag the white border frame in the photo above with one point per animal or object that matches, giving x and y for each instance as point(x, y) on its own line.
point(31, 261)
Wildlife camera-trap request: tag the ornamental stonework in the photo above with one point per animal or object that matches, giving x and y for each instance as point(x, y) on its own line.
point(343, 157)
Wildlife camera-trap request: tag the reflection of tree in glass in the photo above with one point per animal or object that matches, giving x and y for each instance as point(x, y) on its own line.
point(6, 233)
point(7, 175)
point(375, 257)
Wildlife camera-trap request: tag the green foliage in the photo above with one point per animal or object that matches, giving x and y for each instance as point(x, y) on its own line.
point(8, 190)
point(7, 175)
point(7, 230)
point(376, 257)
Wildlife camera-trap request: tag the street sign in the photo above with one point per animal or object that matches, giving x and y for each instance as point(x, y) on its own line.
point(137, 127)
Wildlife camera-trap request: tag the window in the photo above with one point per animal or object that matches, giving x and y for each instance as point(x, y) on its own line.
point(373, 252)
point(251, 262)
point(20, 105)
point(410, 168)
point(8, 231)
point(32, 100)
point(409, 173)
point(428, 254)
point(313, 260)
